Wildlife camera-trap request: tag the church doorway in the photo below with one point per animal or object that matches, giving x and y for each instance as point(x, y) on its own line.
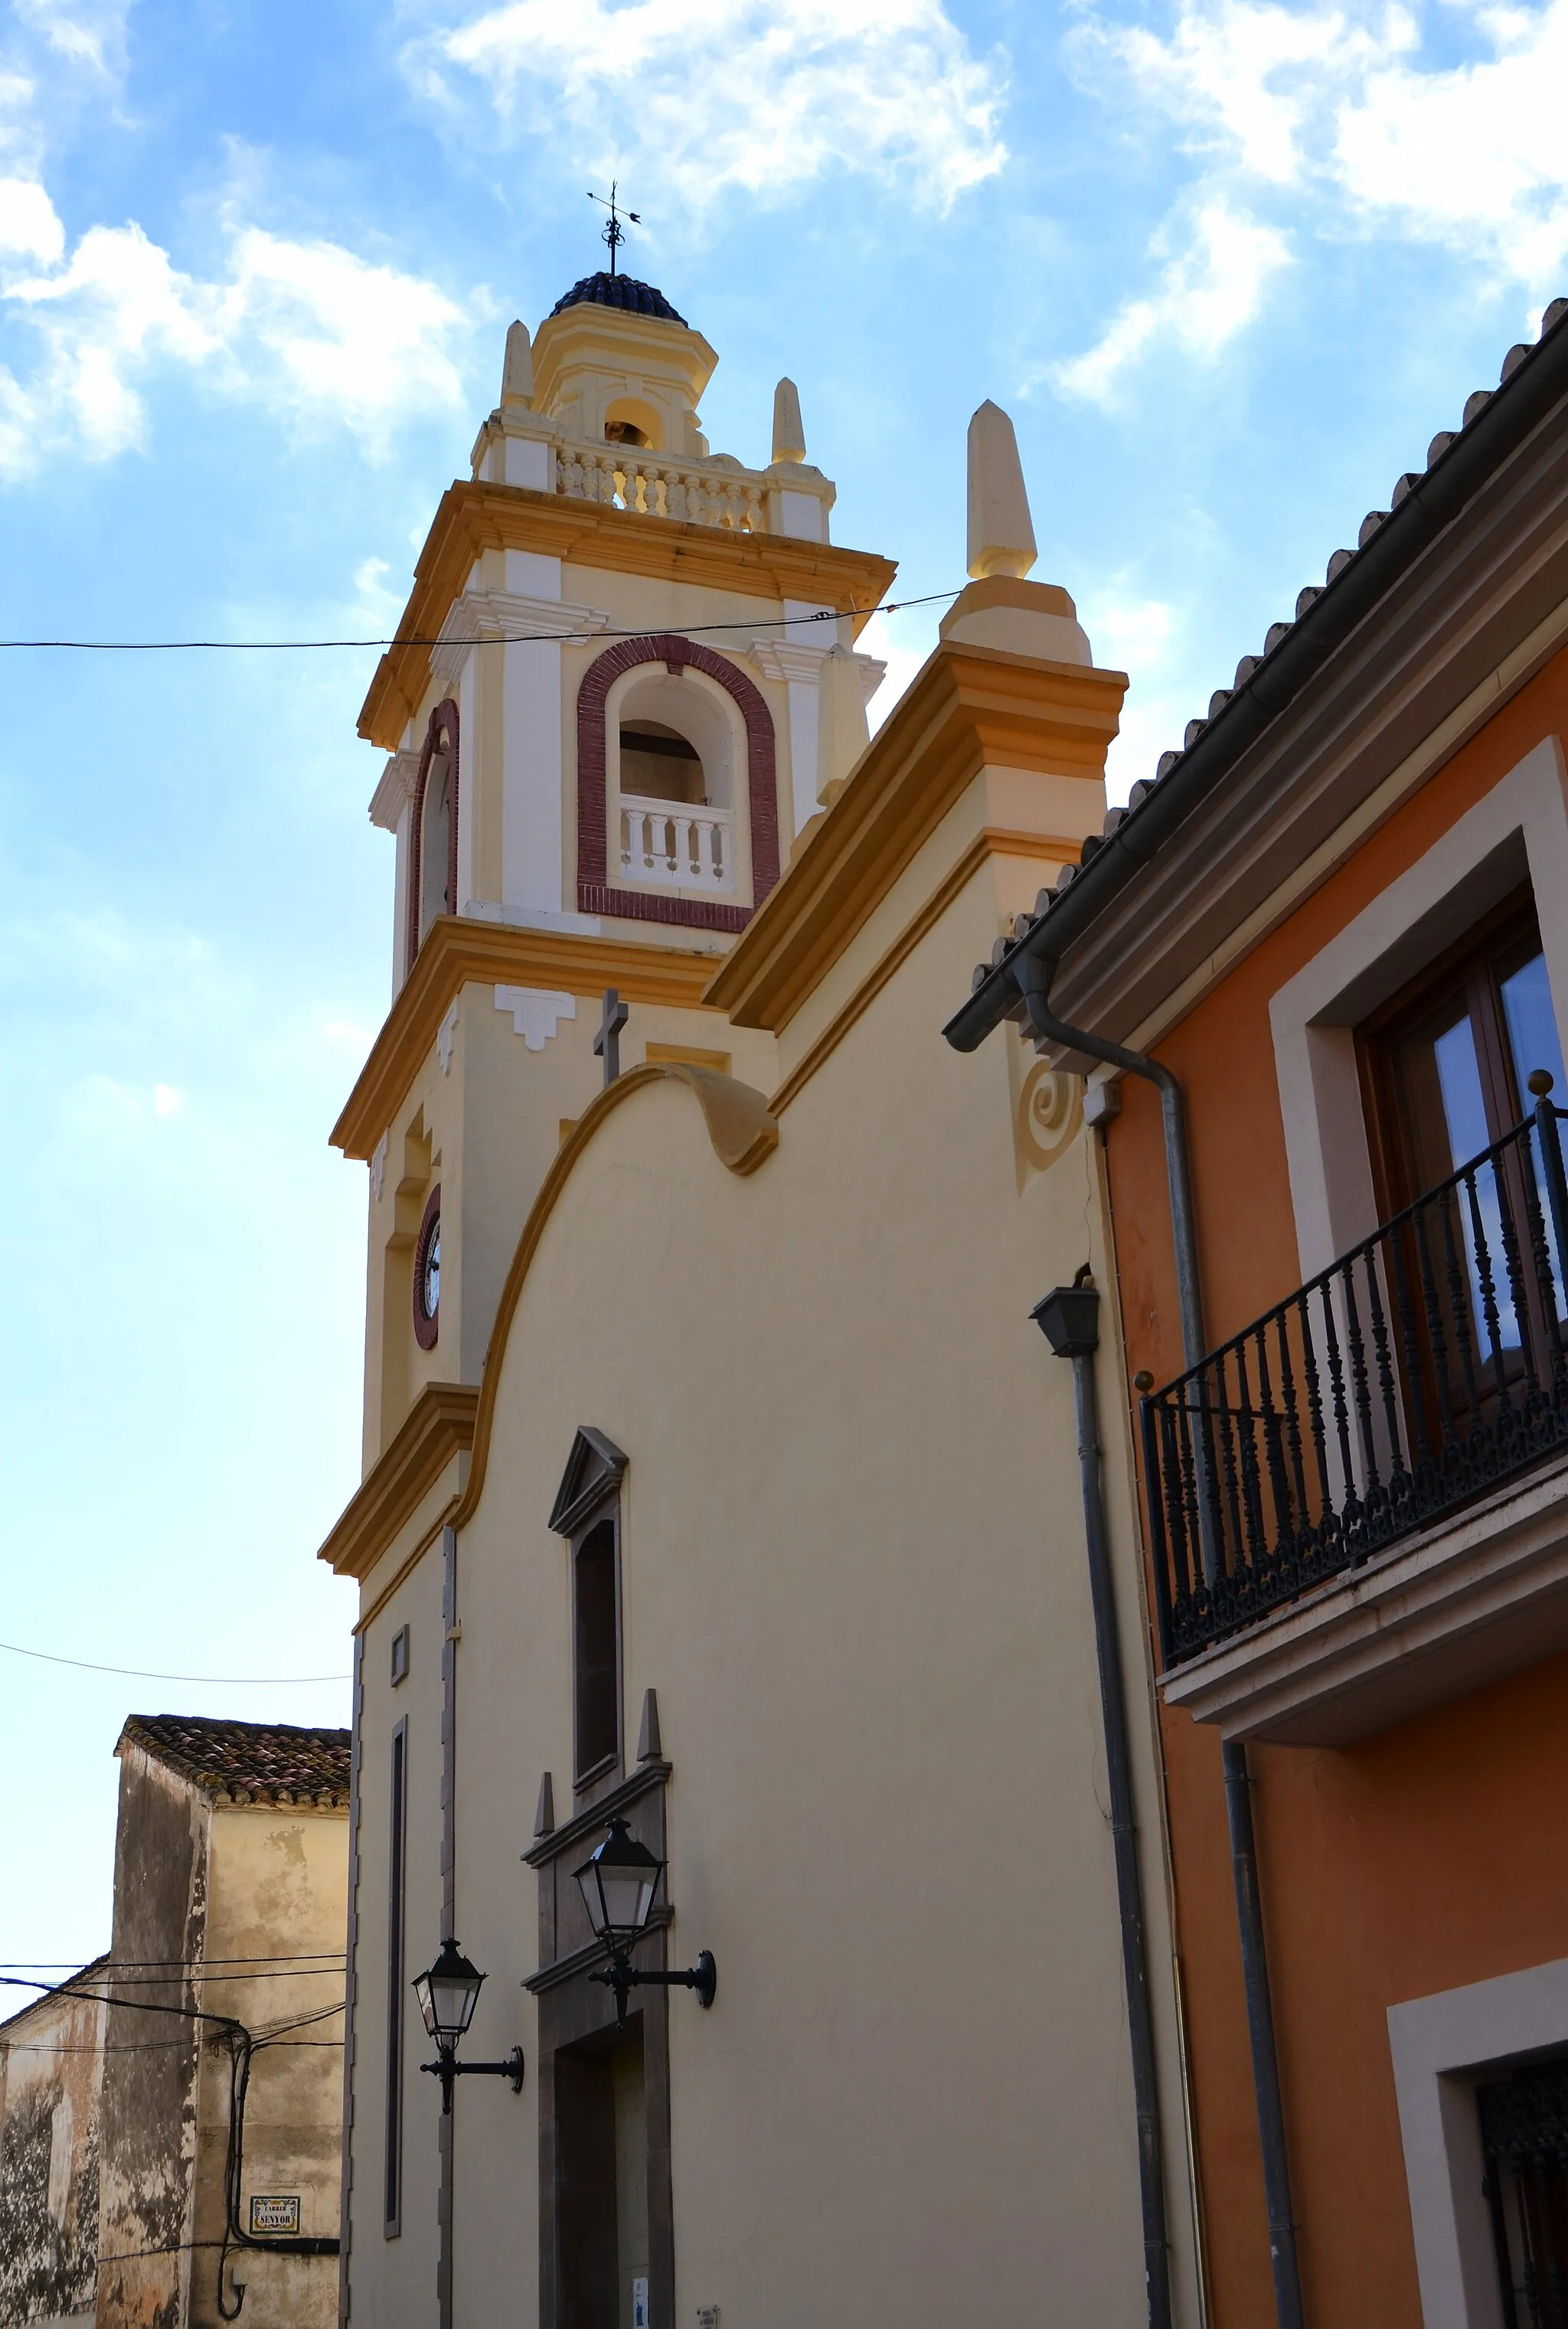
point(602, 2181)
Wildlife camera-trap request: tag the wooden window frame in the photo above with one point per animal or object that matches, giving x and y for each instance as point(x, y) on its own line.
point(1467, 968)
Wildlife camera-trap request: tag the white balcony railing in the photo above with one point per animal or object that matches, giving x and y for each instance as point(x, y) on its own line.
point(717, 493)
point(677, 844)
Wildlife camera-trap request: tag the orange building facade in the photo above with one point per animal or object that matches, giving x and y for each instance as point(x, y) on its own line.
point(1335, 929)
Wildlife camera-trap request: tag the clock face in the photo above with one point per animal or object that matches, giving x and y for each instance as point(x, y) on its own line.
point(427, 1286)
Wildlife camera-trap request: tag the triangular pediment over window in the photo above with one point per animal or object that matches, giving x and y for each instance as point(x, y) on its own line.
point(592, 1473)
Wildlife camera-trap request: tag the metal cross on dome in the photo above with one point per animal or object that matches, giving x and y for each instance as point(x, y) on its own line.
point(614, 232)
point(607, 1043)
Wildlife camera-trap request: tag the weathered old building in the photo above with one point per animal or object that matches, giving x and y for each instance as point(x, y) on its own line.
point(51, 2074)
point(170, 2119)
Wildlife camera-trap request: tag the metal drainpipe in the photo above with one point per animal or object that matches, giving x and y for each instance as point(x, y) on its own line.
point(1034, 979)
point(1069, 1319)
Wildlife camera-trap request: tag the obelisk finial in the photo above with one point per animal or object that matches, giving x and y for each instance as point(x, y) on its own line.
point(789, 434)
point(1001, 536)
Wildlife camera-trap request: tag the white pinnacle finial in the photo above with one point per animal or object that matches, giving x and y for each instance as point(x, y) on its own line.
point(789, 435)
point(517, 371)
point(1001, 537)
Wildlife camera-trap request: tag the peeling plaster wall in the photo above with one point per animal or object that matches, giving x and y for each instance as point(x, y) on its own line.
point(150, 2073)
point(50, 2067)
point(277, 1891)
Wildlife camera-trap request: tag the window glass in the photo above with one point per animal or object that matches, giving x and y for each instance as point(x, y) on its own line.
point(1464, 1103)
point(597, 1680)
point(1532, 1029)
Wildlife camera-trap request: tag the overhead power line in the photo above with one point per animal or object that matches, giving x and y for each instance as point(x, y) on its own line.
point(496, 639)
point(139, 1673)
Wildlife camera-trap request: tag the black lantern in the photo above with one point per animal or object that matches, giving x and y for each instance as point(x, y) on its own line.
point(1069, 1317)
point(619, 1883)
point(447, 1992)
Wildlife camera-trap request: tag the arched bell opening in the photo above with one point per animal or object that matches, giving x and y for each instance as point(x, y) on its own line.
point(433, 857)
point(676, 744)
point(633, 421)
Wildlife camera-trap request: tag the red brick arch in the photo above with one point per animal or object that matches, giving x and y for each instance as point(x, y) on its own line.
point(443, 722)
point(594, 893)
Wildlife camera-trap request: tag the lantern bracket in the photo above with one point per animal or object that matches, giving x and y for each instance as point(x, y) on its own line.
point(447, 2068)
point(622, 1976)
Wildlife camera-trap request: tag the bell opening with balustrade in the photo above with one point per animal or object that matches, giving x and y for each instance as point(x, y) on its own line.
point(716, 492)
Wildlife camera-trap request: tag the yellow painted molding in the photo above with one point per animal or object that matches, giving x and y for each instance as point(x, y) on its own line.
point(967, 709)
point(474, 517)
point(438, 1426)
point(457, 950)
point(992, 841)
point(694, 1054)
point(743, 1132)
point(406, 1566)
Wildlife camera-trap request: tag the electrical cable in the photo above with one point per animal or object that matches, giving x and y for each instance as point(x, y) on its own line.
point(143, 1965)
point(139, 1673)
point(502, 639)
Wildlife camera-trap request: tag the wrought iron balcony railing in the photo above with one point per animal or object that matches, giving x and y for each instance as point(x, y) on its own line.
point(1426, 1365)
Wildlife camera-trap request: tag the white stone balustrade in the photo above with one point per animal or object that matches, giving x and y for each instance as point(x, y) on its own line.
point(677, 843)
point(701, 493)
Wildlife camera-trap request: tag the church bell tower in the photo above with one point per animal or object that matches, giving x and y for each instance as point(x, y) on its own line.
point(624, 682)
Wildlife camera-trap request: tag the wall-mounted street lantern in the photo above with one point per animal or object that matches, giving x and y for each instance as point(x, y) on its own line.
point(447, 1993)
point(618, 1884)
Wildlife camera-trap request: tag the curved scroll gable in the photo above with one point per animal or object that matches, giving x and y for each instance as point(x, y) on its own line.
point(595, 894)
point(742, 1132)
point(443, 721)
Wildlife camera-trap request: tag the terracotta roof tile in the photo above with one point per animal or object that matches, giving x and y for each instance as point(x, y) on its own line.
point(247, 1762)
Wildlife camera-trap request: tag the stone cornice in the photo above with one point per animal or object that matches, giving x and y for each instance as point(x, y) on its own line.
point(456, 951)
point(787, 659)
point(475, 516)
point(968, 708)
point(394, 791)
point(505, 614)
point(438, 1426)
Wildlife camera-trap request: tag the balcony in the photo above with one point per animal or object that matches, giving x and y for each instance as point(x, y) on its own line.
point(678, 846)
point(1359, 1506)
point(712, 492)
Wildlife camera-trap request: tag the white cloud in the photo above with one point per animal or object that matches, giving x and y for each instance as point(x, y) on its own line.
point(79, 32)
point(709, 95)
point(29, 226)
point(309, 330)
point(1347, 104)
point(1205, 294)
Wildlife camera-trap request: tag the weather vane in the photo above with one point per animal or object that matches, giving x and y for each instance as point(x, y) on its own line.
point(614, 231)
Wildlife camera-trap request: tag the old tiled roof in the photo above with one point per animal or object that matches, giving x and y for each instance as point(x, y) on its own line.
point(247, 1762)
point(1338, 564)
point(619, 291)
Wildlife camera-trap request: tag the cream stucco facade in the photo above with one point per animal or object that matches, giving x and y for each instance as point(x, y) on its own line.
point(782, 1268)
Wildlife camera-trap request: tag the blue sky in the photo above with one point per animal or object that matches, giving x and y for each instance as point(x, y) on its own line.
point(1229, 265)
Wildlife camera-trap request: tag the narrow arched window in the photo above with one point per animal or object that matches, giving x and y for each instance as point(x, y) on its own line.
point(587, 1514)
point(596, 1621)
point(433, 839)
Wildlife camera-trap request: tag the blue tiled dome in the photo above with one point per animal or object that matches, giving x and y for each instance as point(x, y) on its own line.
point(619, 291)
